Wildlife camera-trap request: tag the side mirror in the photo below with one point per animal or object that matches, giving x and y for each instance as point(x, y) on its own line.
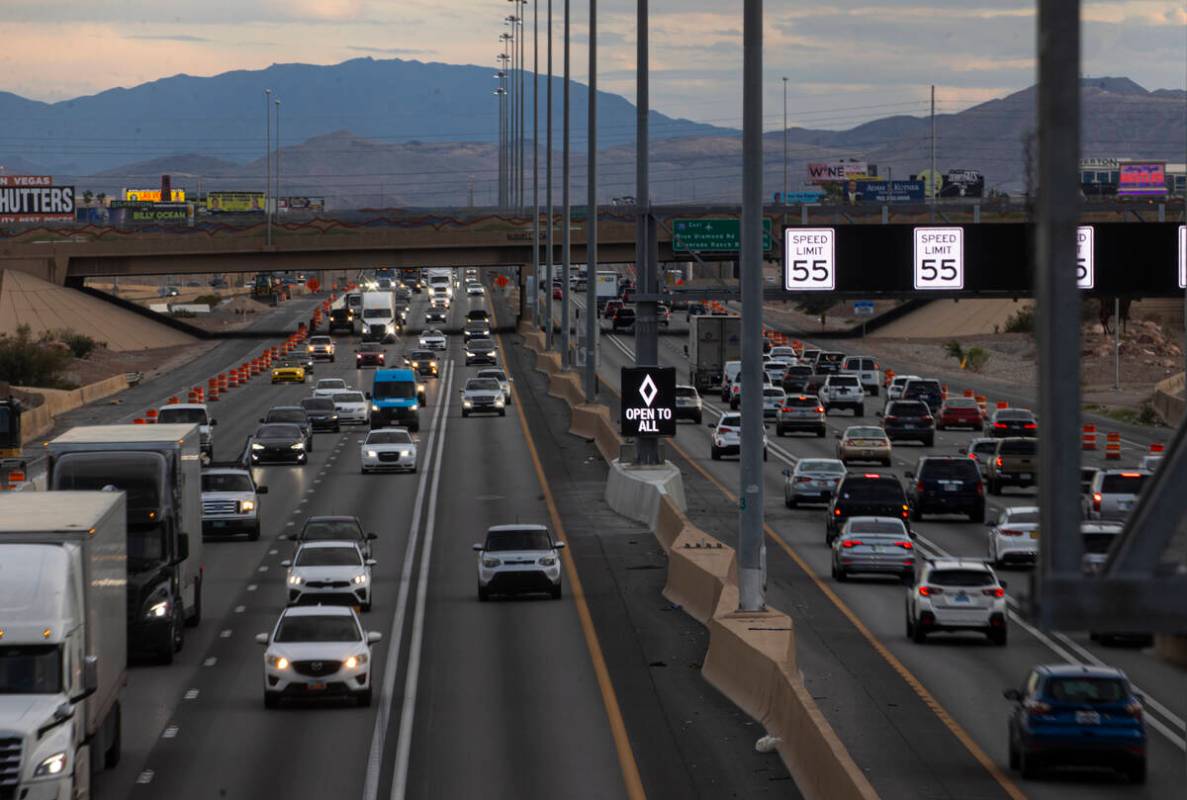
point(1012, 694)
point(477, 547)
point(261, 490)
point(370, 562)
point(908, 474)
point(262, 638)
point(1004, 585)
point(90, 684)
point(183, 547)
point(286, 563)
point(558, 545)
point(373, 637)
point(786, 473)
point(372, 537)
point(367, 395)
point(261, 420)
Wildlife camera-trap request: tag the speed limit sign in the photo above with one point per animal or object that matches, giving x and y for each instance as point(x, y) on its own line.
point(809, 263)
point(939, 258)
point(1085, 258)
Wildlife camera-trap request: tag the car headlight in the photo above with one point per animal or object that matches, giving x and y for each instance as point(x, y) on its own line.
point(499, 403)
point(490, 562)
point(406, 453)
point(374, 407)
point(466, 404)
point(353, 662)
point(295, 580)
point(256, 446)
point(359, 579)
point(247, 505)
point(278, 662)
point(413, 407)
point(548, 561)
point(53, 765)
point(372, 454)
point(297, 446)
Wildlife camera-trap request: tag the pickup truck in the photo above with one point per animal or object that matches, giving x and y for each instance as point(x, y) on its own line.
point(230, 501)
point(843, 391)
point(1014, 463)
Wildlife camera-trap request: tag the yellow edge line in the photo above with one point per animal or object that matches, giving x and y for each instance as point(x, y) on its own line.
point(916, 685)
point(622, 743)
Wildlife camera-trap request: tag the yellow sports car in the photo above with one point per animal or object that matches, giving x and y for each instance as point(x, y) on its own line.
point(288, 372)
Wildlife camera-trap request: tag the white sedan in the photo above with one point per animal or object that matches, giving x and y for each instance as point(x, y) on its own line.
point(1014, 537)
point(329, 573)
point(475, 290)
point(318, 651)
point(727, 437)
point(388, 448)
point(352, 407)
point(327, 387)
point(433, 339)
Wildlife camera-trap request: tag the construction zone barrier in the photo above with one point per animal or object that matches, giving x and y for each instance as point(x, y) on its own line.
point(1156, 449)
point(1113, 446)
point(1088, 437)
point(150, 416)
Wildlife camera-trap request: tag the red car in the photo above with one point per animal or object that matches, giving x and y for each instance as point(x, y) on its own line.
point(556, 293)
point(611, 309)
point(369, 354)
point(959, 412)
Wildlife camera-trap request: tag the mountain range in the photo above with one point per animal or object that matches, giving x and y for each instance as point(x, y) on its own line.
point(377, 133)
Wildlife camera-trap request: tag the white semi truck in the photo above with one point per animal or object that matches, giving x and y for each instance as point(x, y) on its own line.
point(379, 317)
point(63, 650)
point(159, 467)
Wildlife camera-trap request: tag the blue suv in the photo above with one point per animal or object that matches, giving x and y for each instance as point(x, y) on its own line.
point(394, 399)
point(1067, 714)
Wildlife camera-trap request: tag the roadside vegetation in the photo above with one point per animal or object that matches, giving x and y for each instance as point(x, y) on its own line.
point(973, 358)
point(25, 361)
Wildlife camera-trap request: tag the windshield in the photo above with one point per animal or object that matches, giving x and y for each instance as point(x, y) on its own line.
point(336, 530)
point(140, 475)
point(226, 482)
point(422, 355)
point(865, 433)
point(481, 344)
point(961, 402)
point(30, 669)
point(318, 404)
point(842, 380)
point(1018, 447)
point(1090, 691)
point(370, 348)
point(908, 410)
point(320, 340)
point(1017, 517)
point(348, 397)
point(497, 374)
point(337, 628)
point(172, 416)
point(949, 468)
point(483, 385)
point(518, 540)
point(395, 390)
point(1099, 543)
point(331, 383)
point(282, 432)
point(686, 391)
point(376, 313)
point(389, 437)
point(294, 415)
point(888, 527)
point(328, 557)
point(821, 466)
point(1013, 414)
point(961, 577)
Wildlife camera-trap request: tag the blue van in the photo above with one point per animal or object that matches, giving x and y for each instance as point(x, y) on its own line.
point(394, 399)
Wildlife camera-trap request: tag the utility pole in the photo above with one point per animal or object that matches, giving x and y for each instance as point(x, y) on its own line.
point(566, 202)
point(276, 194)
point(591, 217)
point(934, 177)
point(752, 557)
point(536, 160)
point(548, 337)
point(646, 329)
point(783, 197)
point(268, 158)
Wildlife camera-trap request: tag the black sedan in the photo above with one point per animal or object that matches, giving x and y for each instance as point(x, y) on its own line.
point(1011, 422)
point(423, 362)
point(322, 413)
point(278, 443)
point(481, 351)
point(370, 354)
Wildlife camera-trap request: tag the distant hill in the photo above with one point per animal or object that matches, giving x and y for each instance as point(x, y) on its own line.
point(388, 100)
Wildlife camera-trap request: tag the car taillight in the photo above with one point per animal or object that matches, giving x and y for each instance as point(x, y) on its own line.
point(725, 429)
point(1096, 498)
point(1036, 707)
point(819, 409)
point(785, 408)
point(890, 419)
point(998, 461)
point(803, 479)
point(928, 420)
point(905, 545)
point(1030, 426)
point(973, 456)
point(906, 511)
point(999, 425)
point(836, 512)
point(1009, 532)
point(980, 489)
point(996, 591)
point(850, 543)
point(928, 591)
point(919, 487)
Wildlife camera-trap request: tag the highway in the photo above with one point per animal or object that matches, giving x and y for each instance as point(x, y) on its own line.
point(494, 698)
point(877, 688)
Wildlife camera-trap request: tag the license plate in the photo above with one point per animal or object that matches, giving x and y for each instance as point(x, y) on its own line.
point(951, 487)
point(315, 687)
point(219, 524)
point(1034, 535)
point(1124, 505)
point(1087, 717)
point(1025, 476)
point(960, 598)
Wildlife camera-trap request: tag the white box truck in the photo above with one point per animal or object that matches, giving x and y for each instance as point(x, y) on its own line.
point(379, 317)
point(63, 650)
point(606, 287)
point(160, 469)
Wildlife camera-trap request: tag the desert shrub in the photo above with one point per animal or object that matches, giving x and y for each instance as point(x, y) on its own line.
point(1021, 321)
point(27, 362)
point(80, 344)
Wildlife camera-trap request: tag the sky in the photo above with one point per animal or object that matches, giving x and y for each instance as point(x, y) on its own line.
point(847, 61)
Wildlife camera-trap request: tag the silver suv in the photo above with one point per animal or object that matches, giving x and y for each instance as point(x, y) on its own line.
point(1113, 494)
point(843, 391)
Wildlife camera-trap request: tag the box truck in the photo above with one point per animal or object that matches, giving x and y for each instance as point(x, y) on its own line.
point(712, 341)
point(63, 650)
point(160, 469)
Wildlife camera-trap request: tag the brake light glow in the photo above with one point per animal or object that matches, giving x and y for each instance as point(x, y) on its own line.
point(919, 487)
point(871, 475)
point(803, 479)
point(998, 461)
point(819, 409)
point(890, 419)
point(996, 591)
point(836, 512)
point(1096, 498)
point(851, 543)
point(1131, 474)
point(980, 489)
point(905, 545)
point(1009, 532)
point(999, 425)
point(928, 591)
point(973, 456)
point(1030, 426)
point(725, 429)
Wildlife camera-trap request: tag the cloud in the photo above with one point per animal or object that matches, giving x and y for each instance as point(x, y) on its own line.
point(167, 37)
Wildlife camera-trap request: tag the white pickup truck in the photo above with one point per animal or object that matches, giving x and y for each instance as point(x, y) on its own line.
point(843, 391)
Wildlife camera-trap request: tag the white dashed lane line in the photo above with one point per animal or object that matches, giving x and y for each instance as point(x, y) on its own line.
point(191, 694)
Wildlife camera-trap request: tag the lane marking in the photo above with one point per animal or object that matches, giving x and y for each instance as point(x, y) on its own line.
point(251, 587)
point(170, 732)
point(191, 694)
point(395, 635)
point(145, 777)
point(210, 662)
point(622, 743)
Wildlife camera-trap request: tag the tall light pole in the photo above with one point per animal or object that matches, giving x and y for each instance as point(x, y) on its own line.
point(751, 545)
point(522, 102)
point(268, 168)
point(548, 338)
point(783, 197)
point(646, 330)
point(536, 158)
point(276, 194)
point(566, 239)
point(513, 97)
point(591, 216)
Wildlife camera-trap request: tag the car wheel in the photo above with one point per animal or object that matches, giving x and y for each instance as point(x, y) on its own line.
point(698, 418)
point(195, 618)
point(994, 488)
point(271, 700)
point(714, 454)
point(821, 433)
point(910, 626)
point(465, 413)
point(779, 430)
point(859, 410)
point(916, 514)
point(483, 593)
point(1028, 765)
point(503, 412)
point(555, 592)
point(908, 578)
point(362, 470)
point(1137, 772)
point(918, 634)
point(1013, 753)
point(789, 501)
point(998, 636)
point(764, 454)
point(929, 441)
point(840, 574)
point(254, 534)
point(363, 698)
point(977, 514)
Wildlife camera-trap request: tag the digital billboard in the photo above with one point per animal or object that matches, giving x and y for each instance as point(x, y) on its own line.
point(153, 195)
point(1142, 179)
point(836, 171)
point(32, 198)
point(235, 201)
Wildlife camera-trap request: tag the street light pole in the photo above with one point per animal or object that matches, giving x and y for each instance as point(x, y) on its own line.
point(548, 337)
point(591, 216)
point(276, 194)
point(566, 203)
point(646, 332)
point(536, 159)
point(522, 103)
point(268, 168)
point(751, 544)
point(783, 197)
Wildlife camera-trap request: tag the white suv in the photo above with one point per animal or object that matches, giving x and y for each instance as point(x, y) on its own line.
point(517, 559)
point(843, 391)
point(867, 371)
point(1014, 537)
point(318, 651)
point(727, 437)
point(329, 573)
point(954, 594)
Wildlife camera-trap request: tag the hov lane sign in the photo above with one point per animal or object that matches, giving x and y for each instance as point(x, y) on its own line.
point(809, 260)
point(939, 258)
point(648, 401)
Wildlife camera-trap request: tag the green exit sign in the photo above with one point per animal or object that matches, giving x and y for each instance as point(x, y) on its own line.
point(713, 236)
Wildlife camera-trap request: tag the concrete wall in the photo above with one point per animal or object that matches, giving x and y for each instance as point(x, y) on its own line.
point(37, 421)
point(1168, 399)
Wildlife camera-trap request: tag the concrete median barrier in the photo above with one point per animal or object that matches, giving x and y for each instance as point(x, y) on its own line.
point(699, 569)
point(670, 521)
point(39, 420)
point(634, 491)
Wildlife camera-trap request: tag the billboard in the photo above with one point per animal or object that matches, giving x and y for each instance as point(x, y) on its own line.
point(123, 212)
point(26, 180)
point(301, 204)
point(890, 191)
point(153, 195)
point(235, 201)
point(835, 171)
point(23, 201)
point(1142, 179)
point(962, 183)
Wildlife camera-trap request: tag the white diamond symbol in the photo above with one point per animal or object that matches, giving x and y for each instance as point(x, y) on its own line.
point(648, 390)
